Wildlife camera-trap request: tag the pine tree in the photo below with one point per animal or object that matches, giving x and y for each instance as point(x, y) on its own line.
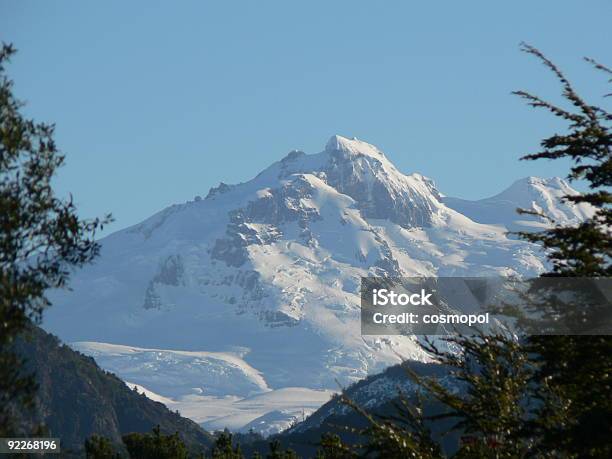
point(332, 447)
point(574, 373)
point(277, 452)
point(225, 449)
point(401, 435)
point(155, 445)
point(540, 396)
point(488, 411)
point(583, 250)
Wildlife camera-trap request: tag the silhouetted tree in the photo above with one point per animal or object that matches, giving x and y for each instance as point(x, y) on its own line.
point(41, 238)
point(332, 447)
point(97, 447)
point(574, 373)
point(277, 452)
point(225, 449)
point(155, 445)
point(539, 396)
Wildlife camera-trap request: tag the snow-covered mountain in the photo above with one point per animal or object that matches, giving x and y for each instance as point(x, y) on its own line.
point(268, 271)
point(540, 195)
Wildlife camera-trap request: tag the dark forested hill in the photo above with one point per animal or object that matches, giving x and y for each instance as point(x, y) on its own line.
point(379, 394)
point(77, 399)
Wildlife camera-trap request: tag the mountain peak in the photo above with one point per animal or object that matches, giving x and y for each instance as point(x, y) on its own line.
point(555, 187)
point(542, 195)
point(554, 182)
point(354, 145)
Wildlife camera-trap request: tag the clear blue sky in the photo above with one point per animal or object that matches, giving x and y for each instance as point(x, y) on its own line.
point(155, 102)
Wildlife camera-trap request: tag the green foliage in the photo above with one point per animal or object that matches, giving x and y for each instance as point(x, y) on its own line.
point(224, 448)
point(494, 374)
point(97, 447)
point(277, 452)
point(403, 435)
point(155, 445)
point(41, 238)
point(332, 447)
point(16, 389)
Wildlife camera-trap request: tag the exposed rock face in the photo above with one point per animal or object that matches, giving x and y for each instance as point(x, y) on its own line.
point(152, 299)
point(222, 188)
point(171, 272)
point(364, 174)
point(259, 222)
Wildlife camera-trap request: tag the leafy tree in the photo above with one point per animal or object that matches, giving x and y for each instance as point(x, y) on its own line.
point(41, 238)
point(97, 447)
point(155, 445)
